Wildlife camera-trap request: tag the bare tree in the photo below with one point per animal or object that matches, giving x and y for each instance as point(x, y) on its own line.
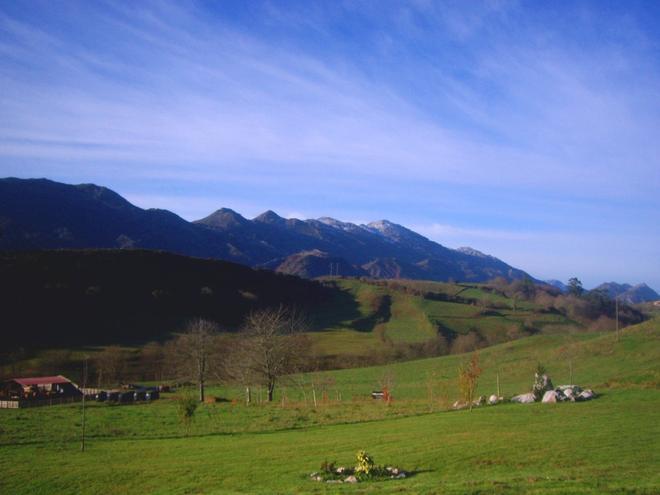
point(111, 364)
point(272, 346)
point(197, 352)
point(152, 361)
point(468, 374)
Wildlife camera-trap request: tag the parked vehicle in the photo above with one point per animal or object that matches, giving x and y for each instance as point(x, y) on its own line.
point(153, 395)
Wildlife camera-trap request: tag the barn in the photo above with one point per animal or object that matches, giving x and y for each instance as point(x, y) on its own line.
point(39, 388)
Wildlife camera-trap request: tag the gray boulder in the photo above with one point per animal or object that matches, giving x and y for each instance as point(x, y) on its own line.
point(587, 394)
point(568, 393)
point(523, 398)
point(550, 397)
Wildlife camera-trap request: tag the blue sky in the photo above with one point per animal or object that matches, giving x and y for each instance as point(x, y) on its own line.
point(528, 130)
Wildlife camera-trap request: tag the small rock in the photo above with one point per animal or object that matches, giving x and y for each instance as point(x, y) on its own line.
point(395, 471)
point(401, 475)
point(523, 398)
point(351, 479)
point(340, 470)
point(459, 404)
point(493, 399)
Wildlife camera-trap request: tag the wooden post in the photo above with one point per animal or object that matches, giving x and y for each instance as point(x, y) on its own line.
point(499, 393)
point(84, 382)
point(616, 305)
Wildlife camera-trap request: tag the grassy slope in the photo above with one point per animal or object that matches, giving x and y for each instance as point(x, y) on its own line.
point(610, 445)
point(598, 360)
point(365, 318)
point(415, 319)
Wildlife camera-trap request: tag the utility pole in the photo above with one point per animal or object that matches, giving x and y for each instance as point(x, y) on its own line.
point(84, 386)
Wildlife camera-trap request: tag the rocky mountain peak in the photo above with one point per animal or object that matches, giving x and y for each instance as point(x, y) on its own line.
point(223, 218)
point(472, 252)
point(269, 217)
point(338, 224)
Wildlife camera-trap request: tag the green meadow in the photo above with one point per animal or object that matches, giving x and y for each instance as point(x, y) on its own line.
point(608, 445)
point(382, 315)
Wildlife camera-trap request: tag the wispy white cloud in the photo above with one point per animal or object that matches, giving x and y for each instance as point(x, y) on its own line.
point(215, 96)
point(347, 108)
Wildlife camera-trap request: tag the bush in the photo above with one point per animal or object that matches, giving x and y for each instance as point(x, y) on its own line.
point(328, 467)
point(365, 470)
point(187, 405)
point(365, 463)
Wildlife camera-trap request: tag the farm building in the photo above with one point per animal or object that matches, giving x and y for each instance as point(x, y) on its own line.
point(38, 388)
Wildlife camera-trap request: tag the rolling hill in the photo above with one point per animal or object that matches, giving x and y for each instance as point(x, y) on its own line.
point(78, 298)
point(493, 449)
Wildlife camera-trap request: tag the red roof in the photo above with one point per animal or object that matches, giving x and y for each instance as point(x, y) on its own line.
point(41, 380)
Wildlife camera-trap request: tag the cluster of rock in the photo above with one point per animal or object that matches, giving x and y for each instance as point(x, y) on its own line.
point(563, 393)
point(480, 401)
point(542, 391)
point(392, 472)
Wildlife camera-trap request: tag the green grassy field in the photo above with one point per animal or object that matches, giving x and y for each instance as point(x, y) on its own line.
point(412, 318)
point(609, 445)
point(367, 322)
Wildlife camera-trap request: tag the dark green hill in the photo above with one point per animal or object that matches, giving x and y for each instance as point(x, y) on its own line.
point(52, 298)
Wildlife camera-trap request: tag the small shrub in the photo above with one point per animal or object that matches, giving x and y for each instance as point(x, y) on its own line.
point(328, 467)
point(186, 406)
point(468, 374)
point(365, 470)
point(364, 463)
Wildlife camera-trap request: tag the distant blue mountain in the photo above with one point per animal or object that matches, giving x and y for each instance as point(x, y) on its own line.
point(631, 294)
point(557, 284)
point(43, 214)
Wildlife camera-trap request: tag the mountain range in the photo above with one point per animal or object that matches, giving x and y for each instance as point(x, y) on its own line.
point(43, 214)
point(631, 294)
point(627, 293)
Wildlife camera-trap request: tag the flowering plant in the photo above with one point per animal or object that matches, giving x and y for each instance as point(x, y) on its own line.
point(365, 463)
